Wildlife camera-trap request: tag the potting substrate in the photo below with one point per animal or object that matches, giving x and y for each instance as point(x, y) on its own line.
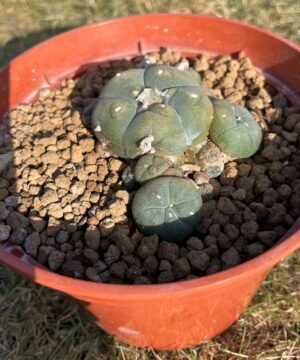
point(65, 200)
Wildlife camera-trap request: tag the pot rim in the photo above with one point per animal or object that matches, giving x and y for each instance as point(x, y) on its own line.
point(89, 289)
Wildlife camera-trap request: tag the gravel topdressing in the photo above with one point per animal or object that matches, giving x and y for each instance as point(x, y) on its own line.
point(63, 199)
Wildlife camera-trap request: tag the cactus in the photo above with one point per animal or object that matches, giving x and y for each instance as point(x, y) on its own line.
point(160, 109)
point(151, 166)
point(164, 118)
point(167, 206)
point(234, 130)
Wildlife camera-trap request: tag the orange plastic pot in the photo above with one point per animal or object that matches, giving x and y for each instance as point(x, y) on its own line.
point(174, 315)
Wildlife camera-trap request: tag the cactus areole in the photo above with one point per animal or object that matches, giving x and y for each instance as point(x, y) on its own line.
point(159, 114)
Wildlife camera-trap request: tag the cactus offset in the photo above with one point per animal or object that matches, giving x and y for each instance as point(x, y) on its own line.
point(234, 130)
point(167, 206)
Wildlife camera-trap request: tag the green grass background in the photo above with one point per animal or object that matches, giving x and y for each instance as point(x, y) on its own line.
point(37, 323)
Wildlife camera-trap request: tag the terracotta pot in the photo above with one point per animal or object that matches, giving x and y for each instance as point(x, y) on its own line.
point(175, 315)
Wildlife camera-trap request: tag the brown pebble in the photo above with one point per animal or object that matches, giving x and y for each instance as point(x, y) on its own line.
point(148, 246)
point(168, 251)
point(210, 240)
point(142, 280)
point(50, 196)
point(199, 260)
point(239, 194)
point(249, 229)
point(193, 243)
point(228, 176)
point(244, 169)
point(134, 271)
point(231, 231)
point(124, 242)
point(32, 243)
point(223, 241)
point(86, 145)
point(55, 210)
point(118, 269)
point(151, 264)
point(55, 259)
point(254, 249)
point(92, 237)
point(262, 183)
point(77, 188)
point(100, 266)
point(4, 232)
point(208, 208)
point(220, 218)
point(181, 268)
point(231, 258)
point(260, 210)
point(115, 164)
point(91, 274)
point(249, 215)
point(216, 186)
point(4, 212)
point(284, 191)
point(91, 255)
point(18, 235)
point(227, 190)
point(76, 154)
point(164, 265)
point(240, 244)
point(43, 253)
point(204, 225)
point(112, 254)
point(62, 237)
point(226, 206)
point(62, 182)
point(270, 197)
point(267, 238)
point(73, 268)
point(276, 214)
point(165, 277)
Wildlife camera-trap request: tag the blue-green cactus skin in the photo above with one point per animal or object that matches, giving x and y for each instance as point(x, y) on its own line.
point(178, 118)
point(167, 206)
point(234, 130)
point(150, 166)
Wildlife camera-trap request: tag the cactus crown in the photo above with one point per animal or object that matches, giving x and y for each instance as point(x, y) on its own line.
point(156, 109)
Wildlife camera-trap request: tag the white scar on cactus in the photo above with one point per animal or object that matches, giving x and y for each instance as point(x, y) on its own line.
point(151, 96)
point(97, 128)
point(146, 145)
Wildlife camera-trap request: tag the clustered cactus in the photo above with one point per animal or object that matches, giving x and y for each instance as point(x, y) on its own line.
point(161, 118)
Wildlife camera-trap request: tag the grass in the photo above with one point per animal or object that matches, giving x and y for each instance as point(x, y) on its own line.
point(37, 323)
point(26, 22)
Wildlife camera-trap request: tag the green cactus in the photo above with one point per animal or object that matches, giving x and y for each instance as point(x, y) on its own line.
point(151, 166)
point(165, 118)
point(234, 130)
point(167, 206)
point(159, 108)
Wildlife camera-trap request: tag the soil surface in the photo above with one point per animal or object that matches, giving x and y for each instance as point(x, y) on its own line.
point(64, 201)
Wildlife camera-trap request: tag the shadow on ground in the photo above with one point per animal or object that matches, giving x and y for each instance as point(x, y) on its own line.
point(17, 45)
